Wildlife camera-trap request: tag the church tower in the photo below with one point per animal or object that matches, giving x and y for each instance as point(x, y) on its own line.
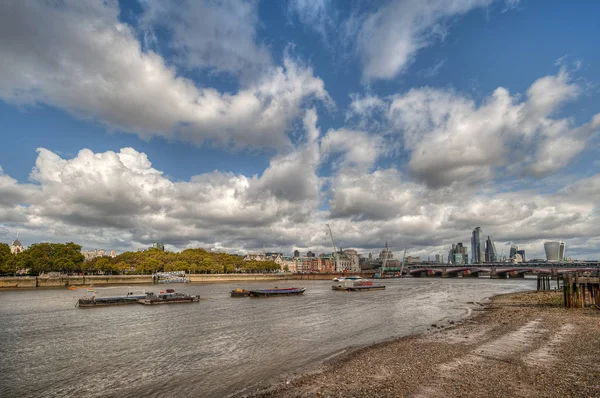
point(16, 246)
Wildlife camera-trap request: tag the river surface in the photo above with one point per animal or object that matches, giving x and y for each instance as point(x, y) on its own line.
point(221, 346)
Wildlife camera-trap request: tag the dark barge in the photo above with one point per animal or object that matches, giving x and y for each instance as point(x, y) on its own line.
point(289, 291)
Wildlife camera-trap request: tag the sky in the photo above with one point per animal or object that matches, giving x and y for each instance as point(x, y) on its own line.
point(249, 125)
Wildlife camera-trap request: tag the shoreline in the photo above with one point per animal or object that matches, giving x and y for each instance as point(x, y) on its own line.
point(36, 282)
point(516, 344)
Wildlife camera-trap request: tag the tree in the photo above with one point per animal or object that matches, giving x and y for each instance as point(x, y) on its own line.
point(103, 265)
point(5, 259)
point(149, 266)
point(123, 267)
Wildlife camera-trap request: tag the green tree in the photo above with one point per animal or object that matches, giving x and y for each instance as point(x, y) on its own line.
point(5, 259)
point(149, 266)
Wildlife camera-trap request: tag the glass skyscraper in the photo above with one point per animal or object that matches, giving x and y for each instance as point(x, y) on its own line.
point(476, 247)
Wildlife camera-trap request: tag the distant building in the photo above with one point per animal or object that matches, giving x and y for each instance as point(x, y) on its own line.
point(310, 254)
point(458, 254)
point(386, 253)
point(490, 251)
point(476, 246)
point(522, 254)
point(438, 259)
point(159, 246)
point(513, 251)
point(16, 247)
point(92, 254)
point(413, 260)
point(555, 251)
point(296, 253)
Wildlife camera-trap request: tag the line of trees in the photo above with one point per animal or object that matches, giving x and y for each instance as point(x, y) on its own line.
point(67, 258)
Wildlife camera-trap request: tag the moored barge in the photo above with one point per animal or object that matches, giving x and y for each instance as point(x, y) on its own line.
point(94, 301)
point(168, 297)
point(240, 293)
point(288, 291)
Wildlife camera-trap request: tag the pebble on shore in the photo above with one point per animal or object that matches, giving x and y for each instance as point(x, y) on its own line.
point(522, 344)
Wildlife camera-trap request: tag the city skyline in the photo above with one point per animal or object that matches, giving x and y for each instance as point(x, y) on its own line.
point(401, 121)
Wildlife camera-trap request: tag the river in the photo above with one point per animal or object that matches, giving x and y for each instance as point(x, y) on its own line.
point(218, 347)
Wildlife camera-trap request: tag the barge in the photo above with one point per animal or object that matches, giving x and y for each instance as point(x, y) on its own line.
point(94, 301)
point(288, 291)
point(240, 293)
point(168, 297)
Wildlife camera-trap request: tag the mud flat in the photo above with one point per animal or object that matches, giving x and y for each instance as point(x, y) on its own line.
point(518, 345)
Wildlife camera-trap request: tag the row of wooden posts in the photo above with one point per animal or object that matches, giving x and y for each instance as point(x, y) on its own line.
point(580, 292)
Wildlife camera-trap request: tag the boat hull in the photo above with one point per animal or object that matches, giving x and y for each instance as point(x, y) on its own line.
point(177, 300)
point(363, 288)
point(107, 301)
point(277, 292)
point(241, 293)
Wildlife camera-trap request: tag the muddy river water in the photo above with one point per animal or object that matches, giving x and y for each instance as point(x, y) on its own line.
point(218, 347)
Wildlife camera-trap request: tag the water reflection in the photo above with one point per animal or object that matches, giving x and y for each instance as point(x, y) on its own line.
point(220, 346)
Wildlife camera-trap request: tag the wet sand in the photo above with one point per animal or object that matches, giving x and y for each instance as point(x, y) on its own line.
point(518, 345)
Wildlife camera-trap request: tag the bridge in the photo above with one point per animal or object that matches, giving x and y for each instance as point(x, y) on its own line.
point(502, 270)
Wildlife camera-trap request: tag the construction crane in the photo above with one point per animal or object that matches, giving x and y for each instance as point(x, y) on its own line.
point(334, 248)
point(403, 262)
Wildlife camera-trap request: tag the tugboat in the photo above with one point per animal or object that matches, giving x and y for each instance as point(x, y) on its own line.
point(240, 293)
point(287, 291)
point(168, 297)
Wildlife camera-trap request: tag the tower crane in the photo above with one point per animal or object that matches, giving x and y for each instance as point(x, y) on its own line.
point(403, 262)
point(334, 248)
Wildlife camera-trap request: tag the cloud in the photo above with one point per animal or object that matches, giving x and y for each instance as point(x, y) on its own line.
point(220, 36)
point(118, 200)
point(318, 15)
point(389, 38)
point(451, 139)
point(78, 56)
point(358, 149)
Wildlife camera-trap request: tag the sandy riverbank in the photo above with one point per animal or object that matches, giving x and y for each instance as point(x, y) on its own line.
point(519, 345)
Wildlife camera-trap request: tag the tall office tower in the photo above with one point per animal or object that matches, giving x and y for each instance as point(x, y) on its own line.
point(490, 251)
point(561, 252)
point(555, 251)
point(458, 254)
point(522, 254)
point(513, 251)
point(476, 246)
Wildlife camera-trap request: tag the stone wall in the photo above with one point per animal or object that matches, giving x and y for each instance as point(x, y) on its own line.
point(97, 280)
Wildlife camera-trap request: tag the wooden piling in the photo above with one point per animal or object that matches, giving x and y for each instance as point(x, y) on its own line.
point(581, 292)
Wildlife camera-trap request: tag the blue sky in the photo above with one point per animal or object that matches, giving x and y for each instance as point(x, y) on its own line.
point(238, 125)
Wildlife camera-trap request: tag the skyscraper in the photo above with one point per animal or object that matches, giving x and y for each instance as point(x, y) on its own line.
point(490, 251)
point(476, 246)
point(458, 254)
point(513, 251)
point(555, 251)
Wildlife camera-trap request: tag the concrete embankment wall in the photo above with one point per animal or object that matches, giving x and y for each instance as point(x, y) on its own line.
point(63, 281)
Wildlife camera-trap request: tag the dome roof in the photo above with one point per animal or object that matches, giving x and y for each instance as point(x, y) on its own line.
point(17, 242)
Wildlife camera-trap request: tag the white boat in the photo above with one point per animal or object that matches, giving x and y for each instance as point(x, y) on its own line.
point(355, 284)
point(348, 278)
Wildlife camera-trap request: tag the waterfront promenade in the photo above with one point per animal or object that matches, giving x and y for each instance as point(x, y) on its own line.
point(105, 280)
point(520, 345)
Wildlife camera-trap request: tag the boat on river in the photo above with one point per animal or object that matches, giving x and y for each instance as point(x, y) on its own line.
point(240, 293)
point(168, 297)
point(286, 291)
point(93, 301)
point(355, 284)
